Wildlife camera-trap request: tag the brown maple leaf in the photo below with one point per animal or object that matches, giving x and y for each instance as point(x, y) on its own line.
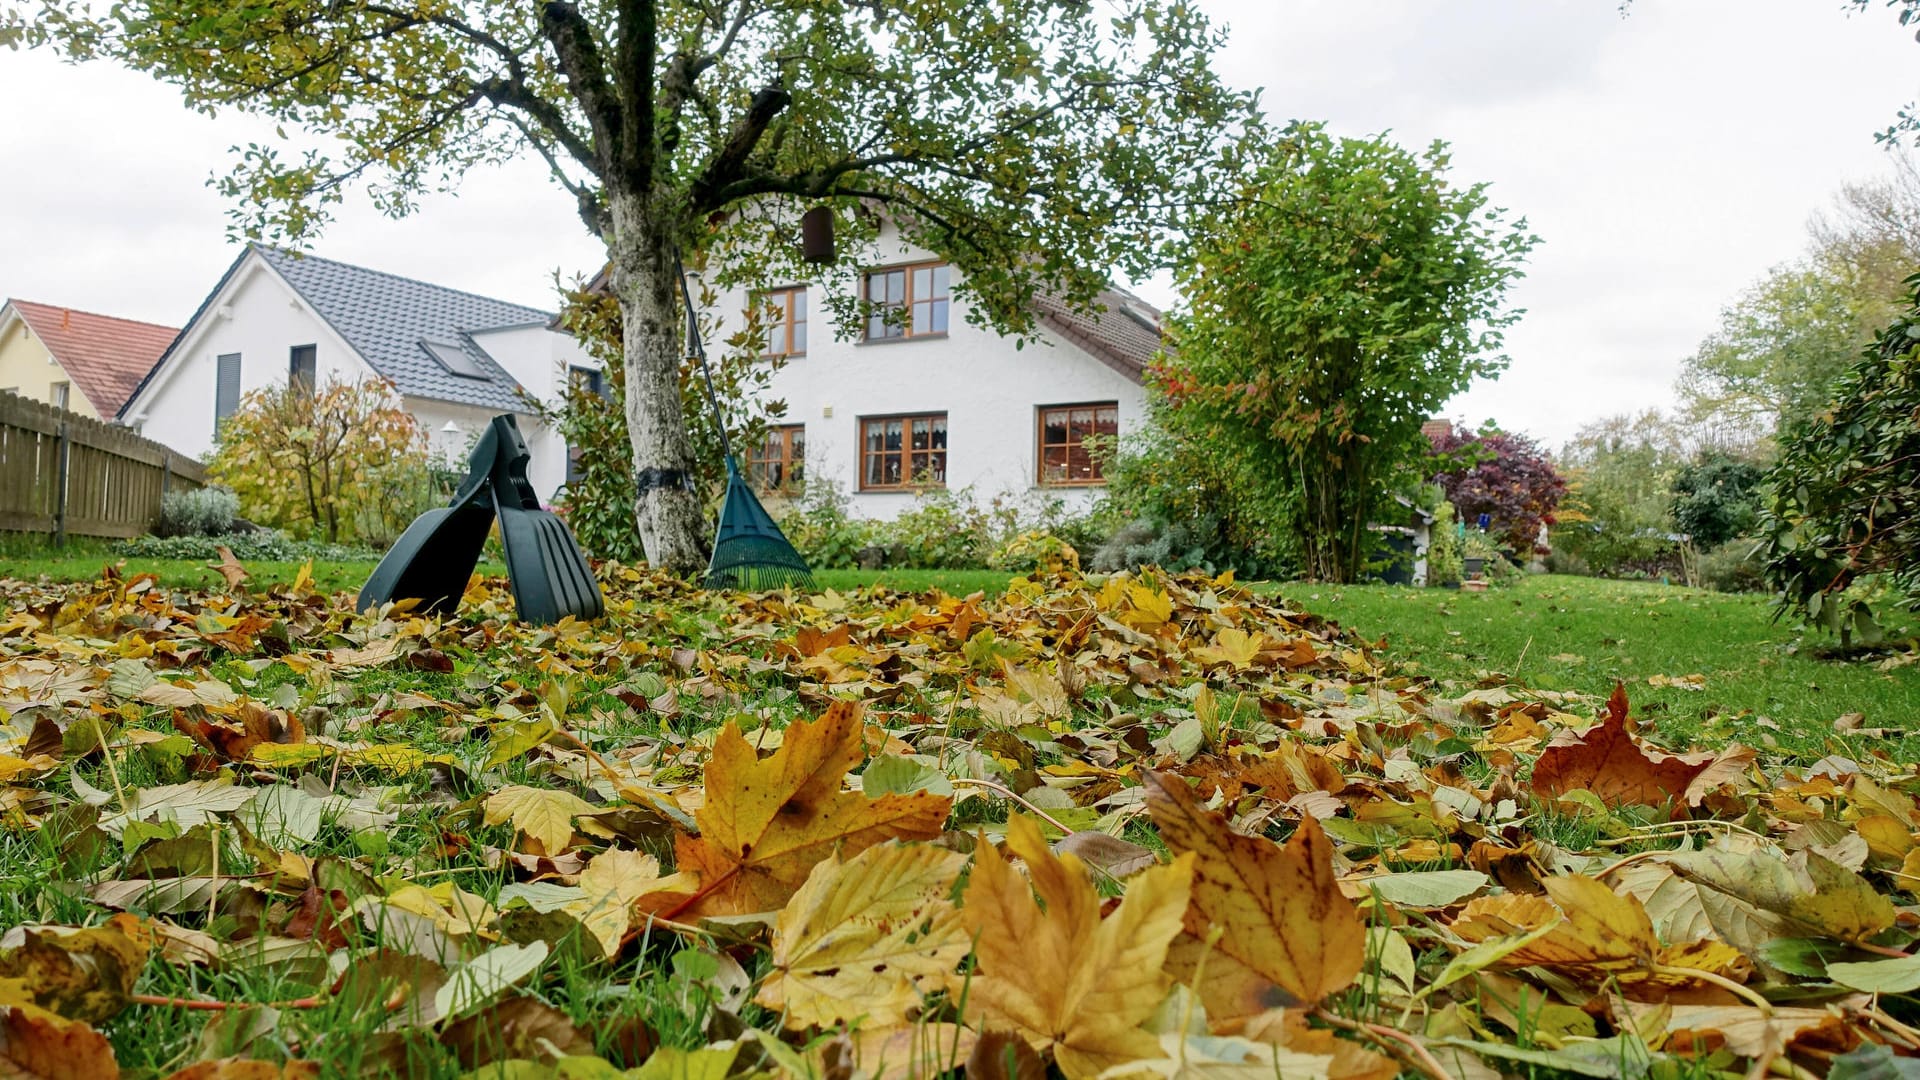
point(766, 823)
point(1288, 934)
point(1608, 761)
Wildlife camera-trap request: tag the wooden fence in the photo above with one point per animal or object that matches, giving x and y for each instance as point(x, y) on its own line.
point(65, 475)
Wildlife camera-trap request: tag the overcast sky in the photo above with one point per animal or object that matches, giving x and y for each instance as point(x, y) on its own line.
point(1666, 158)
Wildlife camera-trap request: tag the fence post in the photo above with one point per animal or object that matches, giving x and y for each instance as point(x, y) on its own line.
point(60, 489)
point(166, 474)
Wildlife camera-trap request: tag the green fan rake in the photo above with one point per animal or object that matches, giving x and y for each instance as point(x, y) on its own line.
point(749, 550)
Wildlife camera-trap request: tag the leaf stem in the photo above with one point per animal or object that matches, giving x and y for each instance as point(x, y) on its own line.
point(220, 1006)
point(1740, 990)
point(113, 771)
point(1399, 1043)
point(1009, 793)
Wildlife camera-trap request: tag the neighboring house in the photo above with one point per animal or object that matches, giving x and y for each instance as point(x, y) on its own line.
point(923, 398)
point(76, 360)
point(456, 359)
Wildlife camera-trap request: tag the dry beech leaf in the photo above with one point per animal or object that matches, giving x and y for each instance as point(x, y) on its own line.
point(766, 823)
point(1064, 978)
point(1109, 853)
point(1288, 935)
point(1608, 761)
point(856, 939)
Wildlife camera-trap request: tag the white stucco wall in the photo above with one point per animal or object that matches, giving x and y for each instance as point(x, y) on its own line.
point(258, 316)
point(538, 358)
point(990, 391)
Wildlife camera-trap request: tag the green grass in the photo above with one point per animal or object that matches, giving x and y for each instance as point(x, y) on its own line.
point(953, 582)
point(1765, 683)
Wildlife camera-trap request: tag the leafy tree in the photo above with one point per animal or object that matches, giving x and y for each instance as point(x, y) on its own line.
point(343, 462)
point(1776, 351)
point(1180, 504)
point(1038, 146)
point(1350, 290)
point(1504, 475)
point(1620, 471)
point(1844, 498)
point(1716, 497)
point(599, 494)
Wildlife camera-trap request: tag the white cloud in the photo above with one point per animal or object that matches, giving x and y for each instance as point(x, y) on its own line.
point(1666, 158)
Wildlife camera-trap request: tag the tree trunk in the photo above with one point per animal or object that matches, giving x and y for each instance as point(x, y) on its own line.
point(641, 246)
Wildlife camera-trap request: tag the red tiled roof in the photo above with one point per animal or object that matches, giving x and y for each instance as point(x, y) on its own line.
point(104, 356)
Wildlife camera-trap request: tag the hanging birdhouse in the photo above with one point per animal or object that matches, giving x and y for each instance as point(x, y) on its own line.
point(816, 235)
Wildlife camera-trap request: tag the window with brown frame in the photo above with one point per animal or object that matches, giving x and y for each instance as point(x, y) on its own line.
point(900, 453)
point(907, 301)
point(786, 317)
point(780, 463)
point(1065, 458)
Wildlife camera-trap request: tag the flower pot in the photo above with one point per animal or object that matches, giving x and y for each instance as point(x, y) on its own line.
point(1475, 565)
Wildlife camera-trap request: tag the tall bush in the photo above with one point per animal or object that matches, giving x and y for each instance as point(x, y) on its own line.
point(1504, 475)
point(1350, 289)
point(321, 463)
point(1844, 498)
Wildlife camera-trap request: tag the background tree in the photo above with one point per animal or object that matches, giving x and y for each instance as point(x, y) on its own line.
point(1772, 360)
point(1620, 472)
point(1716, 497)
point(1843, 509)
point(1038, 146)
point(1504, 475)
point(344, 462)
point(1350, 291)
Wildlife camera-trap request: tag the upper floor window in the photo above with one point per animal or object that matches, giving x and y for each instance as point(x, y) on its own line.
point(1065, 458)
point(780, 463)
point(786, 313)
point(226, 388)
point(898, 453)
point(62, 393)
point(907, 301)
point(592, 380)
point(302, 366)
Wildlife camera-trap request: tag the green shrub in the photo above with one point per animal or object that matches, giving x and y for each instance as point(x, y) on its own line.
point(1445, 562)
point(207, 511)
point(255, 545)
point(820, 526)
point(942, 530)
point(1180, 504)
point(1842, 520)
point(1734, 567)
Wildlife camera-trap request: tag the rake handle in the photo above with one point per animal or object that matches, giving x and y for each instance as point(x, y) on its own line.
point(700, 356)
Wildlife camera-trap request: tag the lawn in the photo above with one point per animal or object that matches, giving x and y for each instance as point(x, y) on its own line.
point(713, 834)
point(1761, 681)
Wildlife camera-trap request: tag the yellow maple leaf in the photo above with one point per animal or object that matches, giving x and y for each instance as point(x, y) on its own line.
point(766, 823)
point(1063, 977)
point(610, 885)
point(1231, 646)
point(858, 936)
point(1288, 934)
point(1593, 927)
point(544, 814)
point(1150, 609)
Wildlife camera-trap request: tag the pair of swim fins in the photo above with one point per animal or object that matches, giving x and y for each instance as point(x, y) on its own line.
point(433, 560)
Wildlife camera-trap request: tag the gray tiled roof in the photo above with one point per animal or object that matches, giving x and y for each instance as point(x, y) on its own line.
point(385, 317)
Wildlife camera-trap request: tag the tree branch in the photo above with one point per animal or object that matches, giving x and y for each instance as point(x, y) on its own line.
point(633, 81)
point(732, 156)
point(579, 56)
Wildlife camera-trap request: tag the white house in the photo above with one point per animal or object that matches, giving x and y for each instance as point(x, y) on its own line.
point(456, 359)
point(925, 398)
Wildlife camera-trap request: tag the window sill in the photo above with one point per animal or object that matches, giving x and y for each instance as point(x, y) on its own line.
point(864, 342)
point(1062, 485)
point(900, 490)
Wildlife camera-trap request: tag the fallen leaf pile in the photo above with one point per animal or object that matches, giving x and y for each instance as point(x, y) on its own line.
point(1111, 827)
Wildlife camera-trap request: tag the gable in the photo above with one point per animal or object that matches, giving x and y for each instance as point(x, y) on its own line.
point(103, 357)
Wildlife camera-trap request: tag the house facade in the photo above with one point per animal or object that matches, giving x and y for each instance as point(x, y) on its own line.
point(919, 397)
point(76, 360)
point(456, 359)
